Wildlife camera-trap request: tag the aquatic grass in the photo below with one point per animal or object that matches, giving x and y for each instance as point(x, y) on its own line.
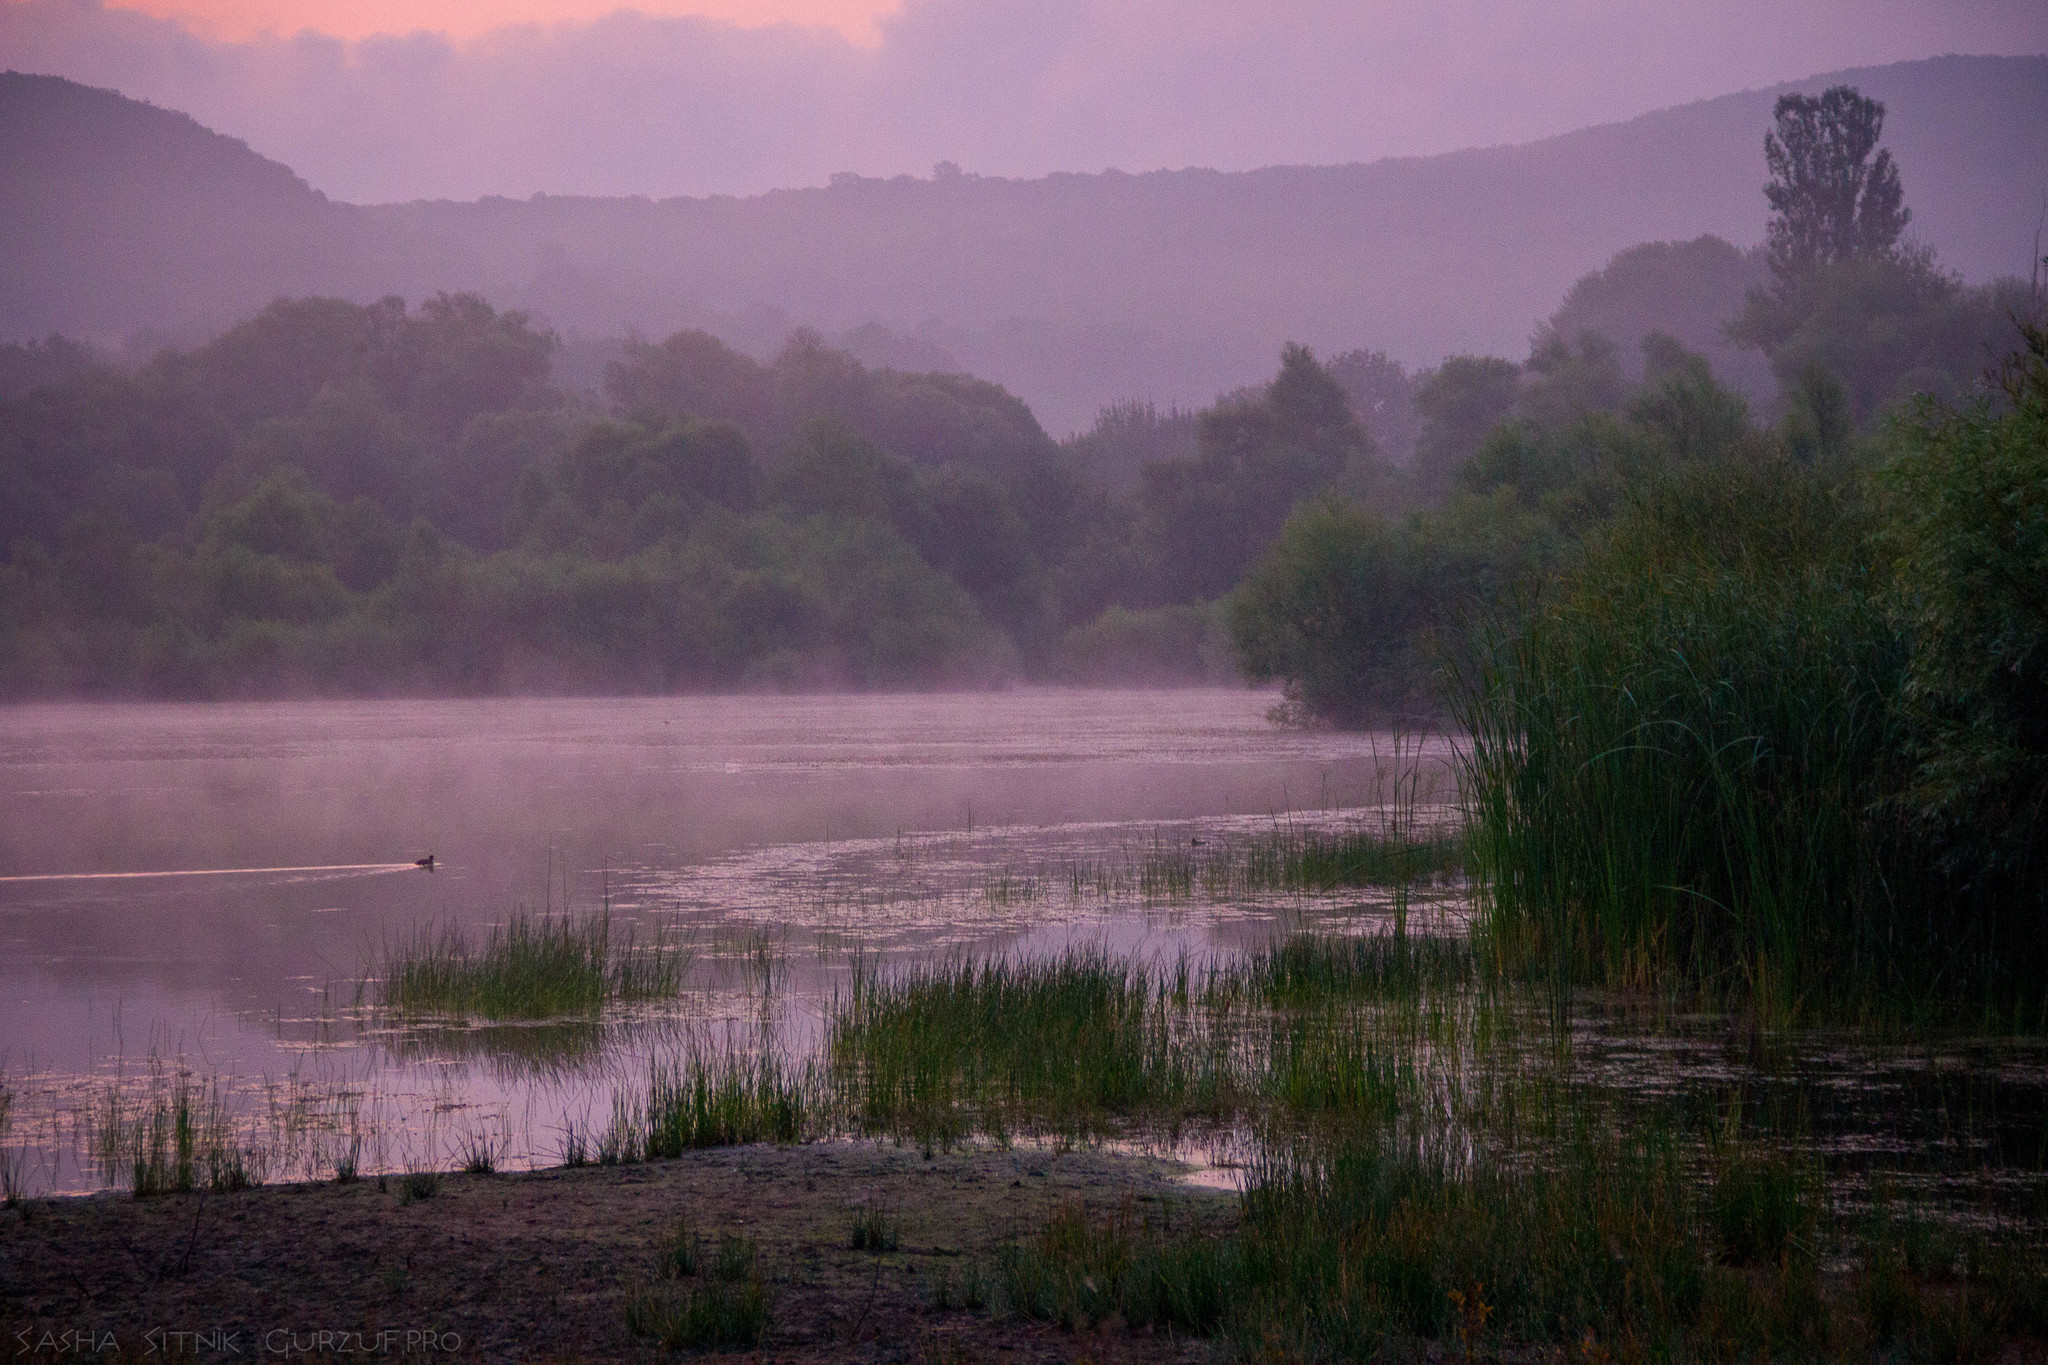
point(969, 1289)
point(874, 1229)
point(1303, 971)
point(1427, 1172)
point(529, 967)
point(13, 1177)
point(1386, 1245)
point(1080, 1270)
point(176, 1138)
point(13, 1161)
point(1088, 1043)
point(1766, 1205)
point(712, 1096)
point(935, 1051)
point(1310, 859)
point(577, 1146)
point(418, 1184)
point(478, 1154)
point(681, 1252)
point(1682, 768)
point(737, 1259)
point(1287, 858)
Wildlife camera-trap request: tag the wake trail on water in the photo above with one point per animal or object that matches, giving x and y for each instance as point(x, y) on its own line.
point(208, 872)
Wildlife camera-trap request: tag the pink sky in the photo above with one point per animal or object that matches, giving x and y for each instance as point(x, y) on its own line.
point(379, 100)
point(242, 19)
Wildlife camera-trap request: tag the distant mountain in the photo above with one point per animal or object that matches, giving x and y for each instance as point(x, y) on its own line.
point(119, 216)
point(1072, 290)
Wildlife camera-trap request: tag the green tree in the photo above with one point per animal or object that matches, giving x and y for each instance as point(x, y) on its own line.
point(1885, 327)
point(1460, 401)
point(1261, 453)
point(1691, 416)
point(1332, 611)
point(1382, 393)
point(1567, 382)
point(1970, 522)
point(1831, 198)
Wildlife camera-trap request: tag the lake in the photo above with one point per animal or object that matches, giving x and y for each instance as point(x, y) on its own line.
point(202, 886)
point(199, 895)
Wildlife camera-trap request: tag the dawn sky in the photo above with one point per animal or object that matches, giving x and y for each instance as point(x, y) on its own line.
point(244, 19)
point(379, 100)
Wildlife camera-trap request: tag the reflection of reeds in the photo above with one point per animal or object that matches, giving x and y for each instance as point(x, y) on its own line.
point(550, 1050)
point(530, 967)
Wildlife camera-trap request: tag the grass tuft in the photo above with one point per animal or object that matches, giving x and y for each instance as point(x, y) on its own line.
point(711, 1097)
point(478, 1155)
point(874, 1230)
point(414, 1186)
point(713, 1316)
point(527, 968)
point(680, 1254)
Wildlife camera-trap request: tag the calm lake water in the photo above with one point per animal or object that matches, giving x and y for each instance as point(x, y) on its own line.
point(200, 886)
point(199, 889)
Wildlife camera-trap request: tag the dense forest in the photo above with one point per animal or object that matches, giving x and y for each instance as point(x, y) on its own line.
point(368, 498)
point(371, 498)
point(1757, 702)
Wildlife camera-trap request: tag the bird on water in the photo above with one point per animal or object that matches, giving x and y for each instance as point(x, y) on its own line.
point(426, 862)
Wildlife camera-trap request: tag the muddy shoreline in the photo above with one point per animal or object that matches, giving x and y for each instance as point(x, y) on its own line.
point(540, 1265)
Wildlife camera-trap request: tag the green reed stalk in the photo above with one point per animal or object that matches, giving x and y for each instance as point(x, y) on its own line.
point(529, 967)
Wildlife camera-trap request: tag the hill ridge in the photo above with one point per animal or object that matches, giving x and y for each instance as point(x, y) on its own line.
point(1073, 289)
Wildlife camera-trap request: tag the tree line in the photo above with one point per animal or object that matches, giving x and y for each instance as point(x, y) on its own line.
point(1754, 708)
point(343, 497)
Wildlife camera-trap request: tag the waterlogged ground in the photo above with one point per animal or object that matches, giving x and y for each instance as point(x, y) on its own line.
point(189, 896)
point(958, 1022)
point(194, 891)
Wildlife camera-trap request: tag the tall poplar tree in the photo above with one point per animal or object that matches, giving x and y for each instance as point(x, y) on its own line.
point(1834, 193)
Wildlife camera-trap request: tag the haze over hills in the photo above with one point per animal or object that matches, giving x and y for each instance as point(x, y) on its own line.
point(1072, 290)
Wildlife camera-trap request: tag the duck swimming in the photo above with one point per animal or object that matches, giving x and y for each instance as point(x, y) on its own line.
point(426, 862)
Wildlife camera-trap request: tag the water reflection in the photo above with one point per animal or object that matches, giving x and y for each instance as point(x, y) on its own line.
point(783, 839)
point(204, 883)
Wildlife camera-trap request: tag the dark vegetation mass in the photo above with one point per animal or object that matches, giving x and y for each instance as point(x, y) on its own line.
point(1741, 675)
point(357, 498)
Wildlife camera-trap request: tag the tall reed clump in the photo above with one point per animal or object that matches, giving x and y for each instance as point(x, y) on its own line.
point(1678, 765)
point(1389, 1239)
point(938, 1050)
point(529, 967)
point(713, 1096)
point(178, 1138)
point(1087, 1043)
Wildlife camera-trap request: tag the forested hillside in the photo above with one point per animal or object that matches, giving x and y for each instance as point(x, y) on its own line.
point(1073, 291)
point(370, 497)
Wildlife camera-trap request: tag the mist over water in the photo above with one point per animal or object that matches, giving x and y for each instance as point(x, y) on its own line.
point(277, 842)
